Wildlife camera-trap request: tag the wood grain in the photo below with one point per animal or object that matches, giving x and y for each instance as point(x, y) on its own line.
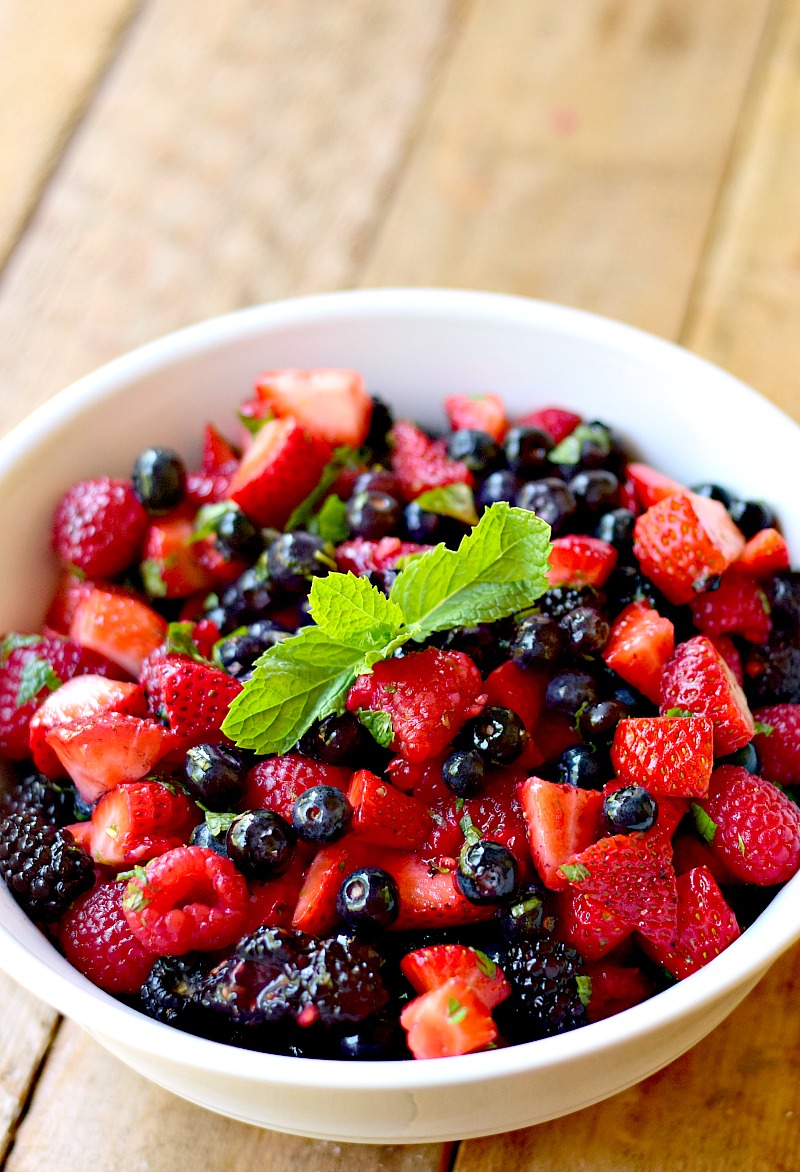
point(44, 90)
point(27, 1028)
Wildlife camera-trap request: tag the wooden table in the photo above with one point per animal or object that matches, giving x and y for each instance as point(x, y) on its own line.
point(164, 160)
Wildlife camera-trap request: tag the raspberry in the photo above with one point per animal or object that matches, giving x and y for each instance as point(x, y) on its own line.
point(98, 526)
point(189, 899)
point(545, 999)
point(422, 463)
point(97, 940)
point(757, 827)
point(44, 868)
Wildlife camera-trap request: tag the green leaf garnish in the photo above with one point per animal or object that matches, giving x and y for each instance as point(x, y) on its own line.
point(180, 641)
point(741, 846)
point(35, 675)
point(219, 823)
point(673, 713)
point(342, 458)
point(456, 1012)
point(485, 963)
point(451, 500)
point(575, 872)
point(208, 517)
point(378, 724)
point(330, 523)
point(13, 641)
point(584, 985)
point(706, 826)
point(569, 450)
point(254, 423)
point(499, 568)
point(469, 830)
point(764, 730)
point(152, 571)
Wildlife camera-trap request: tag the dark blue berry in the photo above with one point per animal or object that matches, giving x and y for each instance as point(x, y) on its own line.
point(383, 580)
point(498, 734)
point(784, 596)
point(373, 514)
point(260, 843)
point(235, 534)
point(487, 873)
point(598, 722)
point(500, 486)
point(237, 654)
point(464, 772)
point(714, 493)
point(368, 900)
point(321, 814)
point(751, 517)
point(215, 774)
point(480, 452)
point(746, 758)
point(595, 490)
point(159, 479)
point(526, 450)
point(421, 526)
point(525, 916)
point(203, 835)
point(538, 642)
point(585, 631)
point(336, 740)
point(378, 480)
point(570, 690)
point(380, 424)
point(294, 559)
point(549, 499)
point(584, 767)
point(628, 809)
point(616, 527)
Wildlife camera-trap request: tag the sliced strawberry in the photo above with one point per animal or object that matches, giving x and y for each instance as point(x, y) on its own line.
point(272, 901)
point(554, 420)
point(279, 470)
point(639, 646)
point(764, 554)
point(121, 628)
point(315, 912)
point(553, 734)
point(589, 925)
point(666, 756)
point(139, 821)
point(706, 926)
point(429, 897)
point(71, 589)
point(689, 852)
point(331, 404)
point(194, 699)
point(429, 968)
point(99, 752)
point(683, 541)
point(448, 1021)
point(421, 463)
point(580, 561)
point(698, 680)
point(210, 483)
point(171, 567)
point(277, 783)
point(561, 820)
point(615, 987)
point(737, 607)
point(508, 686)
point(81, 696)
point(478, 413)
point(778, 743)
point(98, 526)
point(360, 556)
point(384, 816)
point(730, 653)
point(651, 486)
point(628, 498)
point(757, 832)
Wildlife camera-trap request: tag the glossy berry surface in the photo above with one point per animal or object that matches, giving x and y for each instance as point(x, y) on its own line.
point(260, 843)
point(294, 559)
point(538, 642)
point(526, 451)
point(498, 735)
point(570, 690)
point(159, 479)
point(336, 740)
point(499, 486)
point(368, 900)
point(373, 514)
point(628, 809)
point(477, 450)
point(321, 814)
point(464, 772)
point(616, 527)
point(214, 774)
point(585, 631)
point(487, 873)
point(594, 490)
point(597, 722)
point(549, 499)
point(582, 766)
point(751, 516)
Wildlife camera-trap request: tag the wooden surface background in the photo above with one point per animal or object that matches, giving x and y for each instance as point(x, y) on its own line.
point(164, 160)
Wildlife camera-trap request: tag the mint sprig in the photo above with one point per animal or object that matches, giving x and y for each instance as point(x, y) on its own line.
point(499, 568)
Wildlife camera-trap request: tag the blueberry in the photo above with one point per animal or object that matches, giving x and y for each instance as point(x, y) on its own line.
point(237, 654)
point(480, 452)
point(245, 600)
point(336, 740)
point(538, 642)
point(598, 722)
point(784, 595)
point(421, 526)
point(628, 809)
point(268, 632)
point(375, 1039)
point(713, 492)
point(746, 758)
point(498, 734)
point(500, 486)
point(594, 490)
point(368, 900)
point(751, 517)
point(482, 644)
point(525, 914)
point(570, 690)
point(203, 836)
point(549, 499)
point(260, 843)
point(380, 424)
point(487, 873)
point(214, 774)
point(584, 767)
point(373, 514)
point(294, 559)
point(527, 449)
point(616, 527)
point(586, 631)
point(464, 772)
point(378, 480)
point(159, 479)
point(237, 535)
point(321, 814)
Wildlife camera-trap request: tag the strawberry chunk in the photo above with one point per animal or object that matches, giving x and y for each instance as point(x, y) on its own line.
point(189, 899)
point(589, 925)
point(554, 420)
point(97, 940)
point(639, 645)
point(615, 987)
point(561, 821)
point(706, 926)
point(360, 556)
point(98, 526)
point(429, 897)
point(277, 783)
point(86, 695)
point(100, 752)
point(651, 486)
point(315, 912)
point(730, 653)
point(779, 748)
point(764, 554)
point(508, 686)
point(272, 901)
point(193, 697)
point(172, 567)
point(665, 756)
point(698, 680)
point(210, 482)
point(478, 413)
point(332, 405)
point(422, 463)
point(737, 607)
point(139, 821)
point(278, 471)
point(121, 628)
point(429, 968)
point(689, 852)
point(448, 1021)
point(428, 695)
point(580, 561)
point(683, 541)
point(384, 816)
point(757, 832)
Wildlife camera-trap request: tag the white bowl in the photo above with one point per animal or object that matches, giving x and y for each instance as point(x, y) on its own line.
point(413, 346)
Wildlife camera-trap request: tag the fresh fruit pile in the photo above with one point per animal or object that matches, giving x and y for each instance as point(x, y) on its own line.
point(324, 748)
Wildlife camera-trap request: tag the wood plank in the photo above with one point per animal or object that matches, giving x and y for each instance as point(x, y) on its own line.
point(26, 1033)
point(731, 1103)
point(44, 90)
point(575, 152)
point(127, 1122)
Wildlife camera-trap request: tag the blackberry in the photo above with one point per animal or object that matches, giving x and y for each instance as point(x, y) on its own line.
point(559, 601)
point(44, 868)
point(772, 674)
point(171, 992)
point(38, 795)
point(545, 1000)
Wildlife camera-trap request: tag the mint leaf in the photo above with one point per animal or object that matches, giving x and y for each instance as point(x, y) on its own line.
point(330, 523)
point(379, 724)
point(342, 458)
point(764, 730)
point(152, 571)
point(452, 500)
point(208, 518)
point(485, 963)
point(254, 423)
point(706, 826)
point(352, 610)
point(499, 568)
point(575, 872)
point(569, 450)
point(672, 713)
point(219, 823)
point(180, 642)
point(13, 641)
point(584, 985)
point(35, 675)
point(456, 1011)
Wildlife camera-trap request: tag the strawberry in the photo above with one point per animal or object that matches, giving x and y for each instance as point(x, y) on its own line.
point(315, 912)
point(778, 744)
point(561, 821)
point(422, 463)
point(272, 901)
point(332, 405)
point(86, 695)
point(554, 420)
point(689, 852)
point(98, 526)
point(278, 471)
point(757, 832)
point(627, 497)
point(360, 556)
point(31, 667)
point(508, 686)
point(428, 695)
point(650, 486)
point(172, 567)
point(764, 554)
point(99, 752)
point(580, 561)
point(698, 680)
point(121, 628)
point(71, 589)
point(730, 653)
point(96, 939)
point(683, 541)
point(384, 816)
point(277, 783)
point(737, 607)
point(665, 756)
point(589, 925)
point(194, 698)
point(139, 821)
point(448, 1021)
point(632, 875)
point(189, 899)
point(478, 413)
point(429, 897)
point(671, 810)
point(553, 734)
point(497, 814)
point(706, 926)
point(407, 776)
point(639, 645)
point(615, 987)
point(209, 484)
point(429, 968)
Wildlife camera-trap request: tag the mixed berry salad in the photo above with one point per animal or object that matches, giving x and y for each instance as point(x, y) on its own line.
point(357, 742)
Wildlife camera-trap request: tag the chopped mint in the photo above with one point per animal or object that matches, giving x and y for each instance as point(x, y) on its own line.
point(584, 985)
point(485, 964)
point(208, 518)
point(253, 423)
point(342, 458)
point(136, 872)
point(456, 1012)
point(673, 713)
point(219, 823)
point(451, 500)
point(14, 641)
point(575, 872)
point(35, 675)
point(469, 830)
point(180, 641)
point(152, 570)
point(528, 905)
point(569, 450)
point(741, 846)
point(764, 730)
point(330, 523)
point(706, 826)
point(378, 724)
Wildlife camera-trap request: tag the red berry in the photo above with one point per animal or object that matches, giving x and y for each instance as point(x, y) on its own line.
point(737, 607)
point(123, 628)
point(98, 526)
point(508, 686)
point(589, 925)
point(766, 553)
point(278, 471)
point(638, 647)
point(665, 756)
point(277, 783)
point(360, 556)
point(103, 751)
point(97, 940)
point(561, 821)
point(422, 463)
point(615, 988)
point(554, 420)
point(429, 897)
point(651, 486)
point(193, 697)
point(330, 404)
point(706, 925)
point(210, 483)
point(384, 816)
point(429, 968)
point(172, 565)
point(779, 747)
point(477, 412)
point(580, 561)
point(82, 696)
point(448, 1021)
point(138, 821)
point(698, 680)
point(757, 832)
